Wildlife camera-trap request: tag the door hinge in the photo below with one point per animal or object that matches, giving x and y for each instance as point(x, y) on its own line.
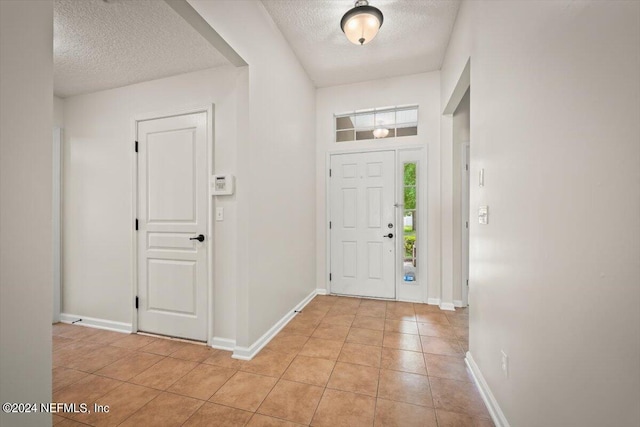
point(136, 146)
point(329, 276)
point(466, 224)
point(136, 302)
point(136, 224)
point(329, 225)
point(467, 167)
point(329, 173)
point(467, 283)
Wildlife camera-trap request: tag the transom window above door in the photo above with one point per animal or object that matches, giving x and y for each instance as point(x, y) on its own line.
point(377, 123)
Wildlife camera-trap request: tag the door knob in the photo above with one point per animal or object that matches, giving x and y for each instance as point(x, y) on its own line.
point(390, 235)
point(199, 238)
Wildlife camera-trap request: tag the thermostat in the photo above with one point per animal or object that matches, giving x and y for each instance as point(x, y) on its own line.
point(222, 185)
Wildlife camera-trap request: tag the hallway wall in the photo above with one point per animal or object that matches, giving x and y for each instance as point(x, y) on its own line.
point(555, 274)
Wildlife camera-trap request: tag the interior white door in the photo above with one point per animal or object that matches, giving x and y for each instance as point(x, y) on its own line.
point(363, 230)
point(172, 211)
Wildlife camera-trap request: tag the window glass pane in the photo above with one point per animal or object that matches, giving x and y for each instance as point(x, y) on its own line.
point(386, 118)
point(410, 247)
point(409, 174)
point(410, 197)
point(407, 131)
point(365, 120)
point(345, 122)
point(407, 116)
point(364, 134)
point(345, 135)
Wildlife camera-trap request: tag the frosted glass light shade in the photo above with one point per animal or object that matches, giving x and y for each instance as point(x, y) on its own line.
point(361, 24)
point(380, 132)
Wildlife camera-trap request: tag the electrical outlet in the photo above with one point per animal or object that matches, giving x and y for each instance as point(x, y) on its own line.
point(505, 364)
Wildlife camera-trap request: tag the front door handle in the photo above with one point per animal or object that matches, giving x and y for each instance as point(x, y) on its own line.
point(199, 238)
point(390, 235)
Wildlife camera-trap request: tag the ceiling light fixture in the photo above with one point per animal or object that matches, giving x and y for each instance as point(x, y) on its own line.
point(361, 24)
point(380, 132)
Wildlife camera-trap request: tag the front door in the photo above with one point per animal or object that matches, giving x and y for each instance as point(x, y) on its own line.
point(363, 230)
point(172, 213)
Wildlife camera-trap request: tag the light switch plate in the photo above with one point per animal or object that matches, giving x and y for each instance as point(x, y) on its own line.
point(483, 215)
point(219, 214)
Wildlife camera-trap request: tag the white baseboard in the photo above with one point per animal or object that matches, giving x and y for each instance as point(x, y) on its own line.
point(492, 404)
point(458, 303)
point(320, 291)
point(248, 353)
point(447, 306)
point(433, 301)
point(223, 343)
point(92, 322)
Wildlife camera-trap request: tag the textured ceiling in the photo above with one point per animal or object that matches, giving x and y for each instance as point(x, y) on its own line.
point(105, 44)
point(413, 38)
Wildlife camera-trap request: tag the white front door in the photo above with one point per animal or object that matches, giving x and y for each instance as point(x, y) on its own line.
point(172, 211)
point(363, 230)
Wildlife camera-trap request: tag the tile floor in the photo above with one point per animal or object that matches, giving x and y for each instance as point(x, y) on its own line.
point(341, 362)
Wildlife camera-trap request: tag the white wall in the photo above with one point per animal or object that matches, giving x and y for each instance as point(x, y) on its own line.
point(555, 273)
point(276, 169)
point(421, 89)
point(26, 84)
point(98, 187)
point(460, 135)
point(58, 112)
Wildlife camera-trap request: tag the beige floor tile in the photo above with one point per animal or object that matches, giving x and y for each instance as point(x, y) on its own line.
point(458, 396)
point(397, 311)
point(361, 354)
point(462, 332)
point(372, 311)
point(348, 302)
point(163, 347)
point(211, 414)
point(78, 332)
point(399, 414)
point(223, 359)
point(63, 377)
point(441, 346)
point(344, 409)
point(366, 322)
point(202, 382)
point(339, 319)
point(85, 390)
point(165, 410)
point(426, 308)
point(268, 362)
point(403, 360)
point(70, 423)
point(106, 337)
point(130, 366)
point(244, 391)
point(164, 373)
point(450, 367)
point(72, 352)
point(287, 343)
point(453, 419)
point(292, 401)
point(299, 327)
point(98, 358)
point(133, 341)
point(432, 318)
point(122, 402)
point(458, 320)
point(342, 309)
point(61, 328)
point(401, 326)
point(56, 419)
point(193, 352)
point(402, 341)
point(405, 387)
point(325, 349)
point(438, 330)
point(331, 332)
point(309, 370)
point(354, 378)
point(59, 342)
point(259, 420)
point(365, 336)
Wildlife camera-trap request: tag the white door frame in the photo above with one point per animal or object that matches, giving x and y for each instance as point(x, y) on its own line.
point(423, 261)
point(209, 110)
point(465, 184)
point(57, 223)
